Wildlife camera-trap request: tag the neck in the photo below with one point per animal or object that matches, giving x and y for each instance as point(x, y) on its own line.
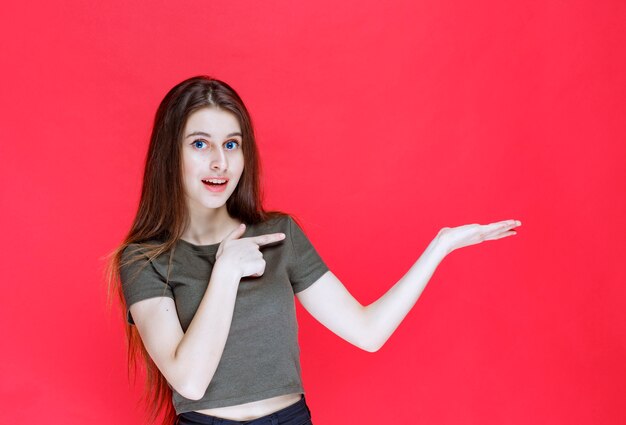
point(209, 227)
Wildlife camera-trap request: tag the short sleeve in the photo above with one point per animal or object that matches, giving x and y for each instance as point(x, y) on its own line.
point(140, 280)
point(305, 264)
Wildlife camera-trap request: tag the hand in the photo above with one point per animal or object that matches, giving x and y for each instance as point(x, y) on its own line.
point(243, 254)
point(471, 234)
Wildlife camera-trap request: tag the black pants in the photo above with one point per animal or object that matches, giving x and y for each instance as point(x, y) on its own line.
point(296, 414)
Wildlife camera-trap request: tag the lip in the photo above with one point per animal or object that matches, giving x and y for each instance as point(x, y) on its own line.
point(216, 188)
point(216, 177)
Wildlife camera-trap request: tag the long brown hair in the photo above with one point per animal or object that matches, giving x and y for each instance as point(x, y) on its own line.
point(162, 215)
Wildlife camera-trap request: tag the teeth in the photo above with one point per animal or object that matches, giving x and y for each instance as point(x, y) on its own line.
point(217, 181)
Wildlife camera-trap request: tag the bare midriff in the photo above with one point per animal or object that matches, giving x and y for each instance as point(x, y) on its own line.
point(253, 410)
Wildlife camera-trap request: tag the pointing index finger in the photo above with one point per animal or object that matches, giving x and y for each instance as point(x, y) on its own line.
point(267, 239)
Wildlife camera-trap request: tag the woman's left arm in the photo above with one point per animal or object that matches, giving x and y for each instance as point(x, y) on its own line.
point(369, 327)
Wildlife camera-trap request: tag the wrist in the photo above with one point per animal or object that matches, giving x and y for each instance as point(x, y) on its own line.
point(439, 247)
point(226, 272)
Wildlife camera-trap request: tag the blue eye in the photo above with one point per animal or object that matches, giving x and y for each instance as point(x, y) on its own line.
point(195, 143)
point(232, 145)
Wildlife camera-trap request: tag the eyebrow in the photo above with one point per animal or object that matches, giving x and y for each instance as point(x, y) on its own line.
point(202, 133)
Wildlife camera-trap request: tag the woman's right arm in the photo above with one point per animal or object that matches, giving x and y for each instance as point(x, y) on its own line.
point(188, 360)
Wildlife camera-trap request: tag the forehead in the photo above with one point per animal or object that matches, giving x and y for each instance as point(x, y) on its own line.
point(213, 121)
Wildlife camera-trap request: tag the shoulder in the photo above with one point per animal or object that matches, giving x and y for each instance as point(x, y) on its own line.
point(285, 223)
point(136, 257)
point(288, 224)
point(276, 222)
point(278, 219)
point(137, 250)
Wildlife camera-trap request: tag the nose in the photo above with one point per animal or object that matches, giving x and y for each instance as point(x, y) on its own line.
point(218, 161)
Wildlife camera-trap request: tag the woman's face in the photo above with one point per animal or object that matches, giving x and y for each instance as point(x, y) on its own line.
point(212, 159)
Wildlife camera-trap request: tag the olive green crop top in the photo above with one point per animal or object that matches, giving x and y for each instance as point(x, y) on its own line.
point(261, 358)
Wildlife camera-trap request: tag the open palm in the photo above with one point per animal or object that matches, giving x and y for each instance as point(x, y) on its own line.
point(452, 238)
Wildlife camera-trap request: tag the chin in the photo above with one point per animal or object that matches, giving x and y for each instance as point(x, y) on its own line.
point(214, 205)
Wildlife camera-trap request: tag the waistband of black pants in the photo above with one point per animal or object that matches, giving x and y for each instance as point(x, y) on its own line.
point(279, 415)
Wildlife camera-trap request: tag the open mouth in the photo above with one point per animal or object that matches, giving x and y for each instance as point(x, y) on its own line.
point(215, 182)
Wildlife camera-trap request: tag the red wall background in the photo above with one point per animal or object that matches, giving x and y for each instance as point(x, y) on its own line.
point(379, 123)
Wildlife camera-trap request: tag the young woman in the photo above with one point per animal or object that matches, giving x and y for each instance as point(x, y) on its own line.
point(208, 277)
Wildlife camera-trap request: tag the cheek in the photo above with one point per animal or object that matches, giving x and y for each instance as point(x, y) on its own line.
point(192, 164)
point(237, 164)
